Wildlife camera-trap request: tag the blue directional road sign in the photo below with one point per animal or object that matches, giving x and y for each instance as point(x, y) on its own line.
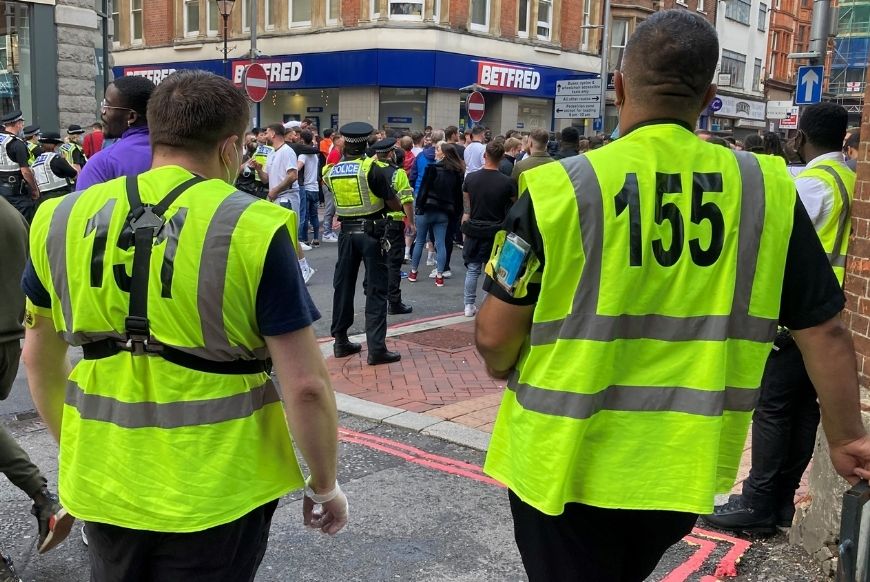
point(597, 124)
point(809, 85)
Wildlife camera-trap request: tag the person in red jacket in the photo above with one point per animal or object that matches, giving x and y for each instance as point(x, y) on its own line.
point(93, 142)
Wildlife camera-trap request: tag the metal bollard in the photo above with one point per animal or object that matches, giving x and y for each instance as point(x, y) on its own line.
point(854, 546)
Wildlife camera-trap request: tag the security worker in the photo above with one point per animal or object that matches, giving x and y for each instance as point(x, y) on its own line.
point(53, 174)
point(16, 178)
point(633, 302)
point(386, 159)
point(200, 449)
point(362, 193)
point(31, 136)
point(72, 150)
point(785, 419)
point(258, 163)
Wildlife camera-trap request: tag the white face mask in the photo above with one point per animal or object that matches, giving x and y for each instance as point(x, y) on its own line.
point(233, 170)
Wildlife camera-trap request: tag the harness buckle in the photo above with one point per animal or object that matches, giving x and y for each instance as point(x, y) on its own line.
point(144, 217)
point(139, 337)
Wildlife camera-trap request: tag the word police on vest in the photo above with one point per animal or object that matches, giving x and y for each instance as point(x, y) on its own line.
point(278, 72)
point(509, 77)
point(345, 169)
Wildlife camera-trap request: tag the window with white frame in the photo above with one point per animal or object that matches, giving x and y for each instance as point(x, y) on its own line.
point(545, 19)
point(756, 76)
point(733, 64)
point(332, 7)
point(116, 21)
point(618, 39)
point(406, 9)
point(700, 7)
point(738, 10)
point(300, 13)
point(268, 15)
point(523, 16)
point(762, 16)
point(246, 12)
point(136, 21)
point(213, 18)
point(587, 23)
point(480, 15)
point(191, 17)
point(375, 9)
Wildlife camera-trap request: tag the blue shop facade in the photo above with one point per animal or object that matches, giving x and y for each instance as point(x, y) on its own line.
point(392, 88)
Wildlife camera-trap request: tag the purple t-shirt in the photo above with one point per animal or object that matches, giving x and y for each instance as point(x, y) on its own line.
point(129, 156)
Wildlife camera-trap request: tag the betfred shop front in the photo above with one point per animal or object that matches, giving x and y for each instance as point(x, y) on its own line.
point(397, 89)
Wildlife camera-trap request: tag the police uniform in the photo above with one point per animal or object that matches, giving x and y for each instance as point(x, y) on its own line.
point(53, 175)
point(14, 156)
point(261, 155)
point(33, 148)
point(361, 189)
point(72, 152)
point(653, 315)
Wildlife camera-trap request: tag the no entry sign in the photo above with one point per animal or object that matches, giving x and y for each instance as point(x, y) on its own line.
point(475, 106)
point(256, 82)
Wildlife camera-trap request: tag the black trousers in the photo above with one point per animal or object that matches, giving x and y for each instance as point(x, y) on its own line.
point(450, 236)
point(783, 430)
point(353, 249)
point(227, 553)
point(395, 256)
point(19, 197)
point(593, 544)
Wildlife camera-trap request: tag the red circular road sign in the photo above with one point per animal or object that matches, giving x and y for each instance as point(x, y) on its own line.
point(256, 82)
point(476, 106)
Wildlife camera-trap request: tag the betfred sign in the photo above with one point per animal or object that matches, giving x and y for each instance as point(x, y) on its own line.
point(152, 74)
point(507, 78)
point(276, 71)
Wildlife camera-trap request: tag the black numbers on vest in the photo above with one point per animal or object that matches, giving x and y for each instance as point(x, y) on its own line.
point(671, 184)
point(99, 225)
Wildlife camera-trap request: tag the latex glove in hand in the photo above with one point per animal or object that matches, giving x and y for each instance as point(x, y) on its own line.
point(329, 517)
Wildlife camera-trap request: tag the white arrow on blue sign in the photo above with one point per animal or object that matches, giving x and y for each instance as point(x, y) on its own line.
point(809, 85)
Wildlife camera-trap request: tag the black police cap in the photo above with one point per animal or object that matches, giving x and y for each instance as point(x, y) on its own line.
point(356, 132)
point(74, 130)
point(30, 130)
point(50, 137)
point(11, 117)
point(384, 145)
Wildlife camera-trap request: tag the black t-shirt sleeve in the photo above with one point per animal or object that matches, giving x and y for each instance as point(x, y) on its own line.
point(18, 153)
point(33, 287)
point(811, 293)
point(78, 157)
point(283, 303)
point(61, 168)
point(520, 220)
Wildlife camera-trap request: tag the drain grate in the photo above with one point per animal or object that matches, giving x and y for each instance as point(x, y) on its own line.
point(444, 339)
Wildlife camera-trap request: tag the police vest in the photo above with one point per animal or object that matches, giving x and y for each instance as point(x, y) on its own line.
point(67, 150)
point(656, 314)
point(834, 233)
point(148, 444)
point(46, 179)
point(31, 150)
point(6, 164)
point(261, 155)
point(348, 181)
point(401, 186)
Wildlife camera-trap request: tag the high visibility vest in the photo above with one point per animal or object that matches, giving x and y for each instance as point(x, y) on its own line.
point(6, 164)
point(67, 150)
point(46, 179)
point(148, 444)
point(261, 155)
point(656, 314)
point(348, 181)
point(834, 233)
point(401, 186)
point(31, 150)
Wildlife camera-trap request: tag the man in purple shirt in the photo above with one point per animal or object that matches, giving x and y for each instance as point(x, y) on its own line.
point(123, 115)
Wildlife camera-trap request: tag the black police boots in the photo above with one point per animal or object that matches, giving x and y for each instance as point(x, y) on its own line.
point(343, 347)
point(399, 308)
point(739, 516)
point(385, 357)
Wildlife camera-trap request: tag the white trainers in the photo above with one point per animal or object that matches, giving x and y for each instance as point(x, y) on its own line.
point(445, 274)
point(330, 237)
point(304, 246)
point(307, 274)
point(85, 535)
point(470, 310)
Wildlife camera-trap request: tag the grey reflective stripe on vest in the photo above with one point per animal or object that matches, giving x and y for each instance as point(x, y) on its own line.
point(56, 250)
point(169, 414)
point(588, 325)
point(837, 258)
point(635, 399)
point(6, 163)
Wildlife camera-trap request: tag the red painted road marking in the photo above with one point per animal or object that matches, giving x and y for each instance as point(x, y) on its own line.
point(705, 540)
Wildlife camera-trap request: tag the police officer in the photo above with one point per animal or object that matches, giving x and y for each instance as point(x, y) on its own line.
point(72, 150)
point(633, 301)
point(16, 178)
point(258, 164)
point(31, 136)
point(53, 174)
point(385, 152)
point(362, 193)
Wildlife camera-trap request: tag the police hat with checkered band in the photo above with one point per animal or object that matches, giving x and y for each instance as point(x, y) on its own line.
point(356, 135)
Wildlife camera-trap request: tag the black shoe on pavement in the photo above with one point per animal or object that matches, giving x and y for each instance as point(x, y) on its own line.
point(785, 515)
point(7, 571)
point(399, 308)
point(344, 348)
point(376, 358)
point(54, 521)
point(738, 516)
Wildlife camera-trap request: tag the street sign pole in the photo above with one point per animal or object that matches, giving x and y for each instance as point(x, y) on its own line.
point(253, 21)
point(605, 51)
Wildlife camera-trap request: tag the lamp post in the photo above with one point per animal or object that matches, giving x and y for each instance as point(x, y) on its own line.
point(225, 7)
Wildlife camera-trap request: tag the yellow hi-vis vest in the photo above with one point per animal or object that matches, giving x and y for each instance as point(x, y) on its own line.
point(348, 181)
point(660, 295)
point(401, 186)
point(147, 444)
point(834, 233)
point(261, 155)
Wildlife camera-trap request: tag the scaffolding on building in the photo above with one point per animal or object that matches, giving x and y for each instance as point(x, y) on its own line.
point(851, 53)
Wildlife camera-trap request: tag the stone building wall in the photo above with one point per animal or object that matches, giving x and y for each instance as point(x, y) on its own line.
point(78, 34)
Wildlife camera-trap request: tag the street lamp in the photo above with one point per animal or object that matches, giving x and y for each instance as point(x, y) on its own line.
point(225, 7)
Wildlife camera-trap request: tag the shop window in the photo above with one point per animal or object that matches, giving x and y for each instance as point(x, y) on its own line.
point(480, 15)
point(213, 18)
point(136, 21)
point(402, 109)
point(587, 25)
point(738, 10)
point(300, 13)
point(406, 9)
point(618, 39)
point(191, 17)
point(545, 19)
point(332, 8)
point(733, 64)
point(15, 74)
point(762, 16)
point(523, 18)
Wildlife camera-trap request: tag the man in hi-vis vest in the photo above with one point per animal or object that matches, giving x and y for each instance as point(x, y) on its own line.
point(174, 445)
point(633, 301)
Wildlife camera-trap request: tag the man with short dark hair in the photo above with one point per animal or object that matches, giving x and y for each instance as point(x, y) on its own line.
point(537, 154)
point(473, 154)
point(93, 142)
point(175, 332)
point(309, 191)
point(850, 149)
point(659, 328)
point(569, 144)
point(451, 135)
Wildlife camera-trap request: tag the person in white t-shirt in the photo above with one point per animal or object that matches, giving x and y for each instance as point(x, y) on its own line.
point(474, 151)
point(309, 194)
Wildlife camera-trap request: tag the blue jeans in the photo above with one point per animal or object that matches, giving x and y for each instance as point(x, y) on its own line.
point(471, 277)
point(437, 221)
point(309, 201)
